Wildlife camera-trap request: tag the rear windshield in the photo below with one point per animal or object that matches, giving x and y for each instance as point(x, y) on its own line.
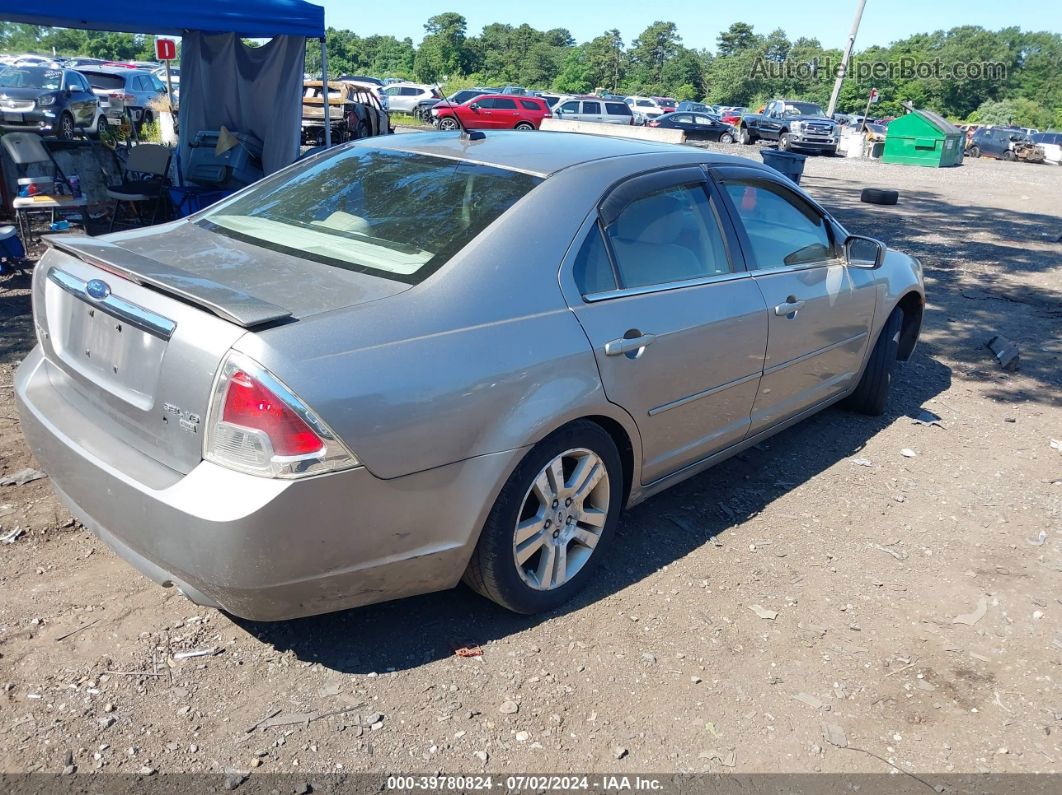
point(392, 214)
point(104, 80)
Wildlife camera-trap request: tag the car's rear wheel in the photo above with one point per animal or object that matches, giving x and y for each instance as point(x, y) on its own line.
point(447, 123)
point(745, 137)
point(525, 125)
point(545, 534)
point(67, 128)
point(872, 393)
point(102, 126)
point(726, 138)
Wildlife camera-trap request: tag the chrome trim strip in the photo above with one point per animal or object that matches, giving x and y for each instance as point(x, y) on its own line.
point(136, 316)
point(674, 404)
point(660, 288)
point(807, 356)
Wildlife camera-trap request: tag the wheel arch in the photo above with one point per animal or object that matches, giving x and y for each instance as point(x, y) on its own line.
point(912, 304)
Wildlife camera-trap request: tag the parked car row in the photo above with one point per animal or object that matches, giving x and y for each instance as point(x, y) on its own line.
point(61, 99)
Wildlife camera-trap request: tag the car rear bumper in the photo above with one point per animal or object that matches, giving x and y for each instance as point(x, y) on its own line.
point(260, 548)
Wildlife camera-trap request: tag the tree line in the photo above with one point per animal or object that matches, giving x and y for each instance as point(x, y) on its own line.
point(745, 68)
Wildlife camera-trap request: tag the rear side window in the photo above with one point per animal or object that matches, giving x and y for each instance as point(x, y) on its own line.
point(529, 105)
point(505, 104)
point(593, 269)
point(670, 235)
point(392, 214)
point(591, 107)
point(782, 228)
point(618, 109)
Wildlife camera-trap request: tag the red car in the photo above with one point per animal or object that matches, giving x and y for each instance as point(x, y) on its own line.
point(493, 112)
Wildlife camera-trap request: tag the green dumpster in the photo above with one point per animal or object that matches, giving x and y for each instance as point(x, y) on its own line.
point(923, 138)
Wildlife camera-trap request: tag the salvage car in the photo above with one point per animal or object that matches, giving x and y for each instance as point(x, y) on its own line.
point(595, 109)
point(697, 126)
point(420, 358)
point(353, 112)
point(47, 101)
point(1004, 143)
point(492, 112)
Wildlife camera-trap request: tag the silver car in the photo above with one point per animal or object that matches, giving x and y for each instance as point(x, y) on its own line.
point(427, 357)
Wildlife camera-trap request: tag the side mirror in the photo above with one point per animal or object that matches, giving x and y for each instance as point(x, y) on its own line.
point(863, 252)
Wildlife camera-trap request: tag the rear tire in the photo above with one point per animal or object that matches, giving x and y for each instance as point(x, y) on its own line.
point(745, 137)
point(494, 571)
point(525, 125)
point(872, 393)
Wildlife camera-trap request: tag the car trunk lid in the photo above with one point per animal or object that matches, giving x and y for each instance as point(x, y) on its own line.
point(134, 342)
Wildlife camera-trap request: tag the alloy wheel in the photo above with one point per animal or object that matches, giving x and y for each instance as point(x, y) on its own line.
point(447, 124)
point(561, 519)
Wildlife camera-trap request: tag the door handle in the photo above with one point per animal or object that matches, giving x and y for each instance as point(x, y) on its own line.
point(629, 345)
point(790, 307)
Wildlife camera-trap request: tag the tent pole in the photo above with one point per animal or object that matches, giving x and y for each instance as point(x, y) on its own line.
point(325, 94)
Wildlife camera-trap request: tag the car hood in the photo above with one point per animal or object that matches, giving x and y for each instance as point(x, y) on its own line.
point(25, 93)
point(221, 270)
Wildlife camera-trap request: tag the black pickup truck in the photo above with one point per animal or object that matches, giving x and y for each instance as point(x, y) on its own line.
point(793, 124)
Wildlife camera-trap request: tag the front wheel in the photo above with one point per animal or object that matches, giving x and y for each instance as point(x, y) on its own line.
point(1008, 155)
point(553, 517)
point(726, 138)
point(67, 128)
point(783, 142)
point(872, 392)
point(974, 151)
point(447, 123)
point(525, 125)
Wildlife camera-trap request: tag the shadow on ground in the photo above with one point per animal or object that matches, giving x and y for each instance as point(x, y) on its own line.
point(411, 632)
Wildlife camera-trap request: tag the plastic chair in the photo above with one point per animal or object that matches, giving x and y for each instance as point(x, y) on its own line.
point(144, 181)
point(27, 149)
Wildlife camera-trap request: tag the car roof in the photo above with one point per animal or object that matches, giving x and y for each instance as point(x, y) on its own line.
point(539, 153)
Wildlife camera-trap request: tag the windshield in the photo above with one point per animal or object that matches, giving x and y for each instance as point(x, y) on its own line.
point(802, 109)
point(31, 77)
point(392, 214)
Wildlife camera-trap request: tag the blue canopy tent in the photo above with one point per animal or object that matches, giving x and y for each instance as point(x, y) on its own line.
point(254, 90)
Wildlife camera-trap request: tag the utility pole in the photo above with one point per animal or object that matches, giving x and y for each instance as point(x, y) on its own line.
point(844, 61)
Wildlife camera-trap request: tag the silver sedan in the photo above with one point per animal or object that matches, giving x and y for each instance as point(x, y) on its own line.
point(409, 361)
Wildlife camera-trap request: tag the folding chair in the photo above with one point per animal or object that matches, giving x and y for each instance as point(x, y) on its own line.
point(26, 149)
point(144, 181)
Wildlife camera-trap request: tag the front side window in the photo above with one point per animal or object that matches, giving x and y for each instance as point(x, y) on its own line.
point(782, 228)
point(570, 107)
point(392, 214)
point(670, 235)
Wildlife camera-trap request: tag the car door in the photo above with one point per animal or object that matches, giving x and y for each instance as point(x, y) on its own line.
point(707, 127)
point(504, 115)
point(680, 121)
point(820, 311)
point(677, 326)
point(569, 110)
point(75, 99)
point(771, 121)
point(591, 111)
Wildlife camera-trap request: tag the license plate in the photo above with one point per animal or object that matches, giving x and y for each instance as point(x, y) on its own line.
point(110, 352)
point(13, 117)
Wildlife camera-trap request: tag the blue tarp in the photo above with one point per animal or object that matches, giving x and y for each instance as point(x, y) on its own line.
point(249, 18)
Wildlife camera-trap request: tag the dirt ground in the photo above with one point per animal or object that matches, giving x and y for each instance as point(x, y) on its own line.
point(918, 599)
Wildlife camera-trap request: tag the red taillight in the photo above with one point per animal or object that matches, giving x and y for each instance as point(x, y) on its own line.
point(122, 96)
point(250, 405)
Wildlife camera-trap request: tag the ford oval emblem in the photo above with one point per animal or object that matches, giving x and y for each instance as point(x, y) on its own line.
point(98, 289)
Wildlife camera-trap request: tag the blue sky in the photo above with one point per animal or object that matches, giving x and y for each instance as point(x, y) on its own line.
point(699, 22)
